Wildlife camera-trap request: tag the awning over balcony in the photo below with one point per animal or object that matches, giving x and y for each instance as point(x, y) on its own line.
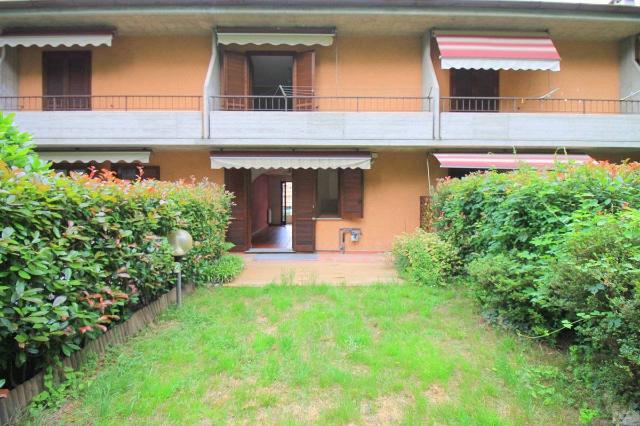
point(95, 156)
point(55, 40)
point(505, 161)
point(290, 160)
point(276, 36)
point(497, 52)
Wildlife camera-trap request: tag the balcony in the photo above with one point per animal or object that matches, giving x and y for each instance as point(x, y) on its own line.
point(108, 120)
point(316, 121)
point(539, 122)
point(313, 121)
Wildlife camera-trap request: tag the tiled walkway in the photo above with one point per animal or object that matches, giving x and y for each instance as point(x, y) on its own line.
point(316, 268)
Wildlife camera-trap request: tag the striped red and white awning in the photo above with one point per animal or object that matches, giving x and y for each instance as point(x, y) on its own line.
point(460, 160)
point(497, 52)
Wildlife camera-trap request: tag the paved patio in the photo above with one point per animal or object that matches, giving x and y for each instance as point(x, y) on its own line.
point(316, 268)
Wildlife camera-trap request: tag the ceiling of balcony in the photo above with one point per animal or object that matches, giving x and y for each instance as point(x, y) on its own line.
point(189, 21)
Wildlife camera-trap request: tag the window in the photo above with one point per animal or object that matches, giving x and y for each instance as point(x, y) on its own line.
point(327, 190)
point(79, 168)
point(66, 80)
point(122, 171)
point(132, 171)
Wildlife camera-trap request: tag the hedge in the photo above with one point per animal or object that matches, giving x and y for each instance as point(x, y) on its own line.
point(424, 258)
point(80, 254)
point(556, 255)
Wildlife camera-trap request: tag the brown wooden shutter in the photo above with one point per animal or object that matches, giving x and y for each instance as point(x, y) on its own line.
point(235, 81)
point(66, 80)
point(304, 199)
point(351, 193)
point(304, 70)
point(79, 80)
point(238, 182)
point(53, 75)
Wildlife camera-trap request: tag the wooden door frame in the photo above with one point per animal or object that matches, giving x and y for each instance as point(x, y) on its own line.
point(247, 209)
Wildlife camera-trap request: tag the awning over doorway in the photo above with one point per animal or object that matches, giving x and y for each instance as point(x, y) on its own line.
point(276, 36)
point(56, 40)
point(290, 160)
point(497, 52)
point(95, 156)
point(505, 161)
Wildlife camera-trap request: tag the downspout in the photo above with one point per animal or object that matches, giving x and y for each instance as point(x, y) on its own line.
point(2, 56)
point(211, 87)
point(430, 85)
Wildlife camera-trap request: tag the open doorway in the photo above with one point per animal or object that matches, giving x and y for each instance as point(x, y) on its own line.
point(270, 74)
point(271, 210)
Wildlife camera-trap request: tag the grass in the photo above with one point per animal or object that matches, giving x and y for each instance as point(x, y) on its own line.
point(388, 354)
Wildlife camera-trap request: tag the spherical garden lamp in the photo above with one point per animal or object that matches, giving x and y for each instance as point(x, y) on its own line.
point(180, 242)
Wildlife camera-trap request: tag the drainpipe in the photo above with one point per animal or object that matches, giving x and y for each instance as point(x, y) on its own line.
point(430, 79)
point(3, 54)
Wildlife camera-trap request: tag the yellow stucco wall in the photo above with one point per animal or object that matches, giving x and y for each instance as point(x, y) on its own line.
point(392, 190)
point(133, 66)
point(370, 66)
point(176, 165)
point(367, 66)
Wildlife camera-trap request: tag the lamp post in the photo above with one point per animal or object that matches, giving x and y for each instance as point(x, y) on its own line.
point(180, 242)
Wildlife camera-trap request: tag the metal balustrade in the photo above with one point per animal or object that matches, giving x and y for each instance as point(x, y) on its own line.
point(321, 103)
point(538, 105)
point(101, 103)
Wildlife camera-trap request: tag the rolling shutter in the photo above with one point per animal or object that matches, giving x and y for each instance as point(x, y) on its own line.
point(304, 67)
point(239, 231)
point(235, 81)
point(351, 193)
point(304, 198)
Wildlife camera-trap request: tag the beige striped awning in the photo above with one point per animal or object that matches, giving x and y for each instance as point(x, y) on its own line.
point(290, 160)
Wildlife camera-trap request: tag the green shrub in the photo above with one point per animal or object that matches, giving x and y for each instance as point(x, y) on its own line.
point(225, 268)
point(595, 284)
point(503, 287)
point(497, 213)
point(80, 254)
point(424, 258)
point(556, 255)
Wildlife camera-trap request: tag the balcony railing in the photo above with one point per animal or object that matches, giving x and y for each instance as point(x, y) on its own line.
point(539, 105)
point(321, 103)
point(101, 103)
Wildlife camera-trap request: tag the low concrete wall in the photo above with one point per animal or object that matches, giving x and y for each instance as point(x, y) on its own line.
point(267, 128)
point(88, 125)
point(604, 130)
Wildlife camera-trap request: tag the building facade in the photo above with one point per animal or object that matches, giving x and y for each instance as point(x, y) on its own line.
point(331, 121)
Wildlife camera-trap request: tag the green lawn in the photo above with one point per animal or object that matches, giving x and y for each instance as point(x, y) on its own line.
point(322, 355)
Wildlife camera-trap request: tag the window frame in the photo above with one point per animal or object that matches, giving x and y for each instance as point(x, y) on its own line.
point(338, 214)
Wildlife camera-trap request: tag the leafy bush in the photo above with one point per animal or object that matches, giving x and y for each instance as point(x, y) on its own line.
point(225, 268)
point(79, 254)
point(503, 287)
point(595, 287)
point(497, 213)
point(556, 254)
point(424, 258)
